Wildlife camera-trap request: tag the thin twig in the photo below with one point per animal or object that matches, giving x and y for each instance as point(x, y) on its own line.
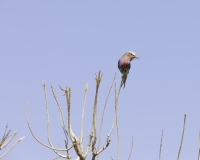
point(5, 144)
point(59, 145)
point(19, 140)
point(107, 139)
point(75, 141)
point(47, 113)
point(82, 118)
point(48, 122)
point(66, 146)
point(131, 149)
point(199, 147)
point(182, 137)
point(68, 97)
point(89, 143)
point(36, 137)
point(104, 112)
point(5, 136)
point(109, 134)
point(160, 145)
point(118, 135)
point(61, 115)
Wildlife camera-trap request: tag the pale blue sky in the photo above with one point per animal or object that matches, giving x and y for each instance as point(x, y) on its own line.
point(66, 42)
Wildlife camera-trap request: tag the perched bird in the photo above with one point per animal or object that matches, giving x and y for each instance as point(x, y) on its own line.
point(124, 65)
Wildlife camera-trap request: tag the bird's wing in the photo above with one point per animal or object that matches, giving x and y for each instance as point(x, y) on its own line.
point(118, 63)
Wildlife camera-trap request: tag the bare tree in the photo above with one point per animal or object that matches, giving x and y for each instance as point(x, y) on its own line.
point(77, 142)
point(6, 140)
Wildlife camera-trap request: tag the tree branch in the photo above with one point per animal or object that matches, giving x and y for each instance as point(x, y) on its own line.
point(199, 148)
point(160, 145)
point(3, 145)
point(19, 140)
point(48, 123)
point(37, 138)
point(61, 115)
point(107, 140)
point(116, 112)
point(5, 136)
point(104, 111)
point(75, 141)
point(182, 137)
point(131, 149)
point(82, 118)
point(98, 80)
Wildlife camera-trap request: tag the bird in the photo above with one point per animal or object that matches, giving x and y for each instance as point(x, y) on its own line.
point(124, 65)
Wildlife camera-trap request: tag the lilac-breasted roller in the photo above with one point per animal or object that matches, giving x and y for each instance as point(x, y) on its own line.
point(124, 65)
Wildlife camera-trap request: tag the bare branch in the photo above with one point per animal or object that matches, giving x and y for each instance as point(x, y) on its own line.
point(4, 145)
point(160, 145)
point(109, 134)
point(59, 145)
point(3, 142)
point(48, 123)
point(5, 136)
point(61, 115)
point(55, 158)
point(19, 140)
point(104, 111)
point(75, 141)
point(47, 113)
point(116, 112)
point(98, 80)
point(182, 137)
point(36, 137)
point(107, 140)
point(82, 118)
point(131, 149)
point(199, 148)
point(66, 146)
point(89, 143)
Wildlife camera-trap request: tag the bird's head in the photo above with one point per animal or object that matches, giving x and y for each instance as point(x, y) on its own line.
point(132, 55)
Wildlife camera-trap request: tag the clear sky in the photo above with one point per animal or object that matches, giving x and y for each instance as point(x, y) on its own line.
point(66, 42)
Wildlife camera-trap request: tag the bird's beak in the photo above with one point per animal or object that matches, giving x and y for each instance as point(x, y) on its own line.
point(137, 57)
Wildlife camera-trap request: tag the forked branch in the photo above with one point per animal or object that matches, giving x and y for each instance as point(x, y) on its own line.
point(77, 143)
point(3, 142)
point(48, 126)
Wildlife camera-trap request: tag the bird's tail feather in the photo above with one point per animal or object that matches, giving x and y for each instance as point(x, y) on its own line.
point(124, 77)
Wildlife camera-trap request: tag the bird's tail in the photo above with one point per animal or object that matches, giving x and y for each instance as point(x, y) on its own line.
point(124, 77)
